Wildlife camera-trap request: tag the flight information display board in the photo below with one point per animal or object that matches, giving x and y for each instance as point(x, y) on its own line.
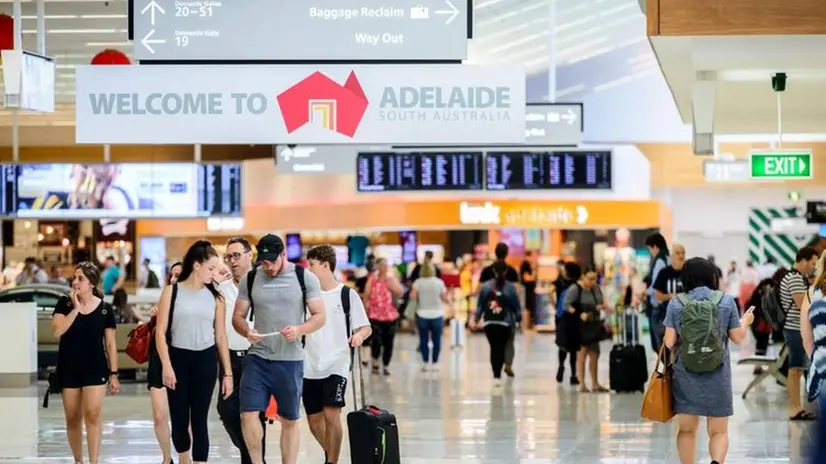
point(219, 190)
point(548, 170)
point(423, 171)
point(8, 189)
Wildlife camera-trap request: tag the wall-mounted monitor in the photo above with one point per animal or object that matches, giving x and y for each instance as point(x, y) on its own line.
point(420, 171)
point(548, 170)
point(129, 190)
point(816, 212)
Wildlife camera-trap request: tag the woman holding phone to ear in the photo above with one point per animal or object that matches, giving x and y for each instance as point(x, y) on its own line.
point(191, 338)
point(87, 358)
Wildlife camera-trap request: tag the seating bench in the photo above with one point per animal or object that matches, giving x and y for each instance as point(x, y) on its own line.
point(771, 368)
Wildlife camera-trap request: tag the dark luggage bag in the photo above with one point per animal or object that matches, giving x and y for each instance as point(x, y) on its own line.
point(628, 363)
point(374, 433)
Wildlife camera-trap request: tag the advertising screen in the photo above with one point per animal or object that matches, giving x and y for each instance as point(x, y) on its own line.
point(294, 248)
point(391, 172)
point(132, 190)
point(551, 170)
point(408, 239)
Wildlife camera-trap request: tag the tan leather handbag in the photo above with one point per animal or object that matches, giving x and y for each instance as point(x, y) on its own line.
point(658, 403)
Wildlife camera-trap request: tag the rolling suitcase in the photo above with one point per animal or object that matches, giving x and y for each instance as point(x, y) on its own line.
point(628, 364)
point(374, 433)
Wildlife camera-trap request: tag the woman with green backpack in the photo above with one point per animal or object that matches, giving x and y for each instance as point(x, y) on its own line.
point(699, 324)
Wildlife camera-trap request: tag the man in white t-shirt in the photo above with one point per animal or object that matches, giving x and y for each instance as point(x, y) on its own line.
point(329, 353)
point(239, 261)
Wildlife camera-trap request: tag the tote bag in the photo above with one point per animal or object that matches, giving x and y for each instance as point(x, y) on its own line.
point(658, 404)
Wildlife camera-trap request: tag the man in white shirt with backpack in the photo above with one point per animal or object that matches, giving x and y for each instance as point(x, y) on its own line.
point(329, 353)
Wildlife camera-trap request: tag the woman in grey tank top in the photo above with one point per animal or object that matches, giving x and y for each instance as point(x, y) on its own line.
point(191, 324)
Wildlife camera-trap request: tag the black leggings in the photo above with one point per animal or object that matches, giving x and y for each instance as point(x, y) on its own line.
point(571, 359)
point(384, 334)
point(196, 373)
point(498, 339)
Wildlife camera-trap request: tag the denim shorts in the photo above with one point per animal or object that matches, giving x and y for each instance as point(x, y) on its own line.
point(797, 354)
point(281, 379)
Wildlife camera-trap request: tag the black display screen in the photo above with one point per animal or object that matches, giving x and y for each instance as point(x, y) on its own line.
point(392, 172)
point(8, 189)
point(219, 192)
point(552, 170)
point(816, 212)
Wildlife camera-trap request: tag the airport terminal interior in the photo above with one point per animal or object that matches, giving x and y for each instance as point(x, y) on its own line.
point(420, 231)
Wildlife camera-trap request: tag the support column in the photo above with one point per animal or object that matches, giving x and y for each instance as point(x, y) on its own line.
point(17, 12)
point(703, 102)
point(552, 51)
point(41, 27)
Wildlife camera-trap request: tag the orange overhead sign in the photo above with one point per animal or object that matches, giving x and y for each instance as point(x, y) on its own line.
point(445, 215)
point(535, 214)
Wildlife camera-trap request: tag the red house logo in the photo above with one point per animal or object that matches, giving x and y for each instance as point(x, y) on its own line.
point(322, 101)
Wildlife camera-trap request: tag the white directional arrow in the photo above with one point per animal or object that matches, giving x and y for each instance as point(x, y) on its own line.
point(801, 166)
point(581, 214)
point(148, 41)
point(453, 12)
point(570, 116)
point(152, 7)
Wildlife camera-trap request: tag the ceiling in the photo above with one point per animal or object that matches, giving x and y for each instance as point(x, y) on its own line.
point(743, 65)
point(506, 31)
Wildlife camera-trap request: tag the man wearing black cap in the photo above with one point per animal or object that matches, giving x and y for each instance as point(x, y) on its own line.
point(275, 363)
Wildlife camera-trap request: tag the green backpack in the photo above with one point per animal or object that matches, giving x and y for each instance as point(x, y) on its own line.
point(701, 346)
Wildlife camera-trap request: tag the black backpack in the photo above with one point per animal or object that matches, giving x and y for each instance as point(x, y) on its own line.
point(495, 309)
point(772, 306)
point(299, 274)
point(152, 280)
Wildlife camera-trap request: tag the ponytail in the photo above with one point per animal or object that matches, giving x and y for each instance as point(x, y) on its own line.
point(97, 292)
point(820, 274)
point(500, 270)
point(214, 290)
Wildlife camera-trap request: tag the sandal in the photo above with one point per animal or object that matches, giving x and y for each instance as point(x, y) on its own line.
point(601, 389)
point(376, 370)
point(803, 415)
point(583, 389)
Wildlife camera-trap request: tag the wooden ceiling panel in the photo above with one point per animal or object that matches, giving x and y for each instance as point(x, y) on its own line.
point(735, 17)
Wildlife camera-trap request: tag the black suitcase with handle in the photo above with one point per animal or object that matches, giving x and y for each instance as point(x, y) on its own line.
point(628, 363)
point(373, 431)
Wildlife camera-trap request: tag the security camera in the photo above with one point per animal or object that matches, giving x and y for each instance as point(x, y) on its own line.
point(779, 82)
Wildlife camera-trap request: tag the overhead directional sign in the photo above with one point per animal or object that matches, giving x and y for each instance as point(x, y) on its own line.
point(175, 30)
point(318, 159)
point(554, 124)
point(781, 165)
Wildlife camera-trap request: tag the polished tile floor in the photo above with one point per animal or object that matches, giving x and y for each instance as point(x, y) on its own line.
point(450, 416)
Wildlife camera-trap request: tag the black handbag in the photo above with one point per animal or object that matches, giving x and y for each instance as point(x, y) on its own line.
point(53, 388)
point(593, 331)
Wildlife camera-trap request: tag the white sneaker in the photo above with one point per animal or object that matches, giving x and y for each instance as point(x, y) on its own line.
point(424, 368)
point(497, 383)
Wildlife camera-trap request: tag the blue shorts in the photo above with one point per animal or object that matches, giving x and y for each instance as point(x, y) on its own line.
point(797, 354)
point(262, 379)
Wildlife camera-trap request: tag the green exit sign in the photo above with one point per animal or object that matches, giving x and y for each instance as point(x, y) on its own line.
point(781, 165)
